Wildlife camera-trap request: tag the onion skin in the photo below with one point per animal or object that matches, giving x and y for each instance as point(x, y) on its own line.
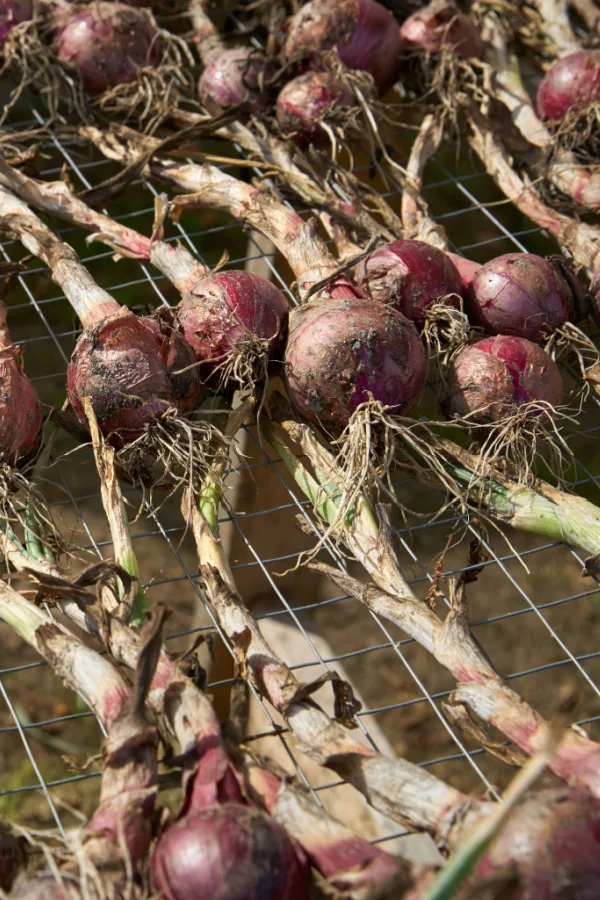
point(234, 76)
point(442, 24)
point(342, 352)
point(487, 380)
point(411, 276)
point(13, 12)
point(20, 412)
point(524, 295)
point(365, 33)
point(228, 307)
point(107, 43)
point(571, 83)
point(129, 367)
point(228, 851)
point(308, 99)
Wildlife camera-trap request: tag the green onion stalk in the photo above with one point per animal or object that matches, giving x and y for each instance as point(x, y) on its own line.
point(366, 533)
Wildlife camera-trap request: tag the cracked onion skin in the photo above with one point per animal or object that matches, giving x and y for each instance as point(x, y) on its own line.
point(570, 83)
point(525, 295)
point(342, 353)
point(228, 851)
point(20, 411)
point(131, 369)
point(490, 378)
point(234, 76)
point(364, 32)
point(228, 308)
point(107, 43)
point(442, 24)
point(411, 276)
point(308, 99)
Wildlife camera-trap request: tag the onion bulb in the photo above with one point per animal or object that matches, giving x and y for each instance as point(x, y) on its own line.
point(570, 83)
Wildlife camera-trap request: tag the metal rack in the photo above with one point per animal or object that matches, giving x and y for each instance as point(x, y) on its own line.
point(517, 609)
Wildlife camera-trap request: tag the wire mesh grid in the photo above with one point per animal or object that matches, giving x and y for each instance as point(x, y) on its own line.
point(531, 609)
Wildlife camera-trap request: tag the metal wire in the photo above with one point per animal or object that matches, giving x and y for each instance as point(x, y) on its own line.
point(41, 331)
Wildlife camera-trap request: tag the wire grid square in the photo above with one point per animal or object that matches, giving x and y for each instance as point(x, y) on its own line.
point(410, 688)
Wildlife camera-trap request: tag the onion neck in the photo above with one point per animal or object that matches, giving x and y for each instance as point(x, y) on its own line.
point(206, 36)
point(5, 338)
point(178, 264)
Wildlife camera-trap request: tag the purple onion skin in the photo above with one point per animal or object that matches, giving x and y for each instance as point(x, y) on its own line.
point(442, 24)
point(130, 367)
point(228, 851)
point(365, 33)
point(234, 76)
point(548, 850)
point(308, 99)
point(13, 12)
point(524, 295)
point(20, 412)
point(571, 83)
point(493, 376)
point(226, 308)
point(411, 276)
point(342, 352)
point(107, 43)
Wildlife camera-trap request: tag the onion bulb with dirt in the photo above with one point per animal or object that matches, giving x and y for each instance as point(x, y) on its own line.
point(441, 24)
point(344, 353)
point(411, 276)
point(106, 43)
point(309, 100)
point(364, 32)
point(236, 323)
point(490, 378)
point(571, 83)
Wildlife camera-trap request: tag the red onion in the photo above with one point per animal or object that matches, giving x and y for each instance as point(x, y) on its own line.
point(571, 83)
point(233, 76)
point(130, 367)
point(225, 309)
point(442, 24)
point(20, 413)
point(107, 43)
point(411, 276)
point(228, 852)
point(467, 270)
point(365, 33)
point(341, 353)
point(524, 295)
point(308, 99)
point(13, 12)
point(496, 374)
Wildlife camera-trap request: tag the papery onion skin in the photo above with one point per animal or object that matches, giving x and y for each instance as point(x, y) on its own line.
point(340, 353)
point(570, 83)
point(524, 295)
point(441, 24)
point(236, 75)
point(107, 43)
point(308, 99)
point(13, 12)
point(20, 412)
point(132, 370)
point(228, 851)
point(228, 307)
point(411, 276)
point(490, 378)
point(365, 33)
